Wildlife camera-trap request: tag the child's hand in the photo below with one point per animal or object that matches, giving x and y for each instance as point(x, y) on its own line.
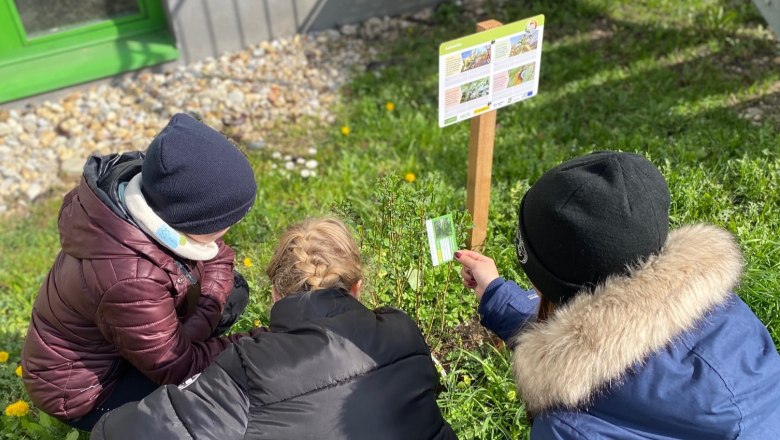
point(478, 270)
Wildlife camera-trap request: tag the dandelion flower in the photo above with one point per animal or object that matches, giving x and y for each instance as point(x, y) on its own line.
point(467, 380)
point(3, 357)
point(389, 106)
point(257, 323)
point(345, 130)
point(20, 408)
point(247, 262)
point(511, 395)
point(18, 371)
point(410, 177)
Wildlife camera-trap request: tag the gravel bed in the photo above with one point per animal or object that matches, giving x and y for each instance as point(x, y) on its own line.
point(247, 95)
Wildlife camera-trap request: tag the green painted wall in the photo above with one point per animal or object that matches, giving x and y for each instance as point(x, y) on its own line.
point(35, 64)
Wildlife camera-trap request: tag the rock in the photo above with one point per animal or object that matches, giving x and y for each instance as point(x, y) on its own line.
point(33, 191)
point(73, 166)
point(754, 113)
point(236, 97)
point(349, 30)
point(257, 145)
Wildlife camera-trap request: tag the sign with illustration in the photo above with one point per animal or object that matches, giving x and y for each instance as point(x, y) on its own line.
point(489, 69)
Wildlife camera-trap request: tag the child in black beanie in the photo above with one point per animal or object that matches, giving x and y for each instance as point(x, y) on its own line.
point(144, 285)
point(632, 331)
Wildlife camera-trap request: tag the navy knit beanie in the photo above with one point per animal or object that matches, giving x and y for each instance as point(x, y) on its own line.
point(195, 179)
point(589, 218)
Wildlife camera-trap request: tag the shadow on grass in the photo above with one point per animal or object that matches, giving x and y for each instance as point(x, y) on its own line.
point(643, 87)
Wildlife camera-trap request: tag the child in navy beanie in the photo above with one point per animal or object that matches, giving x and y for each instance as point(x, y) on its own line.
point(195, 179)
point(631, 330)
point(144, 285)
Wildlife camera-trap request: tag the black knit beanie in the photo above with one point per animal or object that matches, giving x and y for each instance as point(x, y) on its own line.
point(195, 179)
point(589, 218)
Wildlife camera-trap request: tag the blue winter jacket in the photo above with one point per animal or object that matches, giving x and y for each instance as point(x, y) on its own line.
point(667, 352)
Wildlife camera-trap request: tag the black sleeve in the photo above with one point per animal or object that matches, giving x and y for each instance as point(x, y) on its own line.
point(212, 405)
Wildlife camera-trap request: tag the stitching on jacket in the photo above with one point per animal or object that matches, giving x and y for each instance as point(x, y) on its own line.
point(345, 380)
point(725, 383)
point(568, 425)
point(65, 388)
point(173, 407)
point(148, 324)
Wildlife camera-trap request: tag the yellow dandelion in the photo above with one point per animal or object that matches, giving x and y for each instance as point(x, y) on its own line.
point(18, 371)
point(389, 106)
point(257, 323)
point(511, 395)
point(248, 262)
point(20, 408)
point(467, 380)
point(410, 177)
point(345, 130)
point(3, 357)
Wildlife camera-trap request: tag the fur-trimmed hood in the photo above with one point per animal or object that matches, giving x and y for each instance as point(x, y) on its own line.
point(591, 342)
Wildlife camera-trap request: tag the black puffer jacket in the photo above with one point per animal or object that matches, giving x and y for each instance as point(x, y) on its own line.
point(329, 369)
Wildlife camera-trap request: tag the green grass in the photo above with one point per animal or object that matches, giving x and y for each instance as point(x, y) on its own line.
point(668, 79)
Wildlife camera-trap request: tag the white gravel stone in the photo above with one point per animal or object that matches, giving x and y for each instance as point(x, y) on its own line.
point(73, 166)
point(33, 191)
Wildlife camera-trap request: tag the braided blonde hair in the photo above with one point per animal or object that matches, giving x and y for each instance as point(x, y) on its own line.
point(317, 253)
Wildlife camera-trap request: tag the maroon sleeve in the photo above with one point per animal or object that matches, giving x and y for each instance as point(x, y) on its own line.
point(216, 284)
point(217, 279)
point(139, 317)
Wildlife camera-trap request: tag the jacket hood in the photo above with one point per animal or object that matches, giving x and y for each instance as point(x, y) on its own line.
point(90, 227)
point(591, 342)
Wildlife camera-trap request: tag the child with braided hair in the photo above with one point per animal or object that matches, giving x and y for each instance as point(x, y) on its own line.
point(329, 368)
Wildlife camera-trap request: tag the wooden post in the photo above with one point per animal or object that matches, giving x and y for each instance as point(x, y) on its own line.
point(483, 133)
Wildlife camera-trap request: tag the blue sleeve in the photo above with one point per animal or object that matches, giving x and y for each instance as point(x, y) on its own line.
point(505, 308)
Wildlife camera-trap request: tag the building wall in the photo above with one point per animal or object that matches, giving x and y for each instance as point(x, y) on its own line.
point(206, 28)
point(770, 9)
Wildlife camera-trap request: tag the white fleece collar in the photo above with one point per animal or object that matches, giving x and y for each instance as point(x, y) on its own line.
point(156, 227)
point(592, 341)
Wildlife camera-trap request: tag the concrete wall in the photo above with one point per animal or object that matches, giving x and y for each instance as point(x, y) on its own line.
point(770, 9)
point(206, 28)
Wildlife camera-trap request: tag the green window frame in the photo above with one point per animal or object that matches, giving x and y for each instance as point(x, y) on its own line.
point(31, 65)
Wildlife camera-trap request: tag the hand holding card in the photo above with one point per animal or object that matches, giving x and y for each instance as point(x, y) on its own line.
point(478, 270)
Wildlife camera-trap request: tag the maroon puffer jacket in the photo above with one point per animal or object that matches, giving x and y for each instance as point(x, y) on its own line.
point(114, 295)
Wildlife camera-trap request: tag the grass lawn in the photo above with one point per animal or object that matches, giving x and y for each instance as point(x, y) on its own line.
point(665, 78)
